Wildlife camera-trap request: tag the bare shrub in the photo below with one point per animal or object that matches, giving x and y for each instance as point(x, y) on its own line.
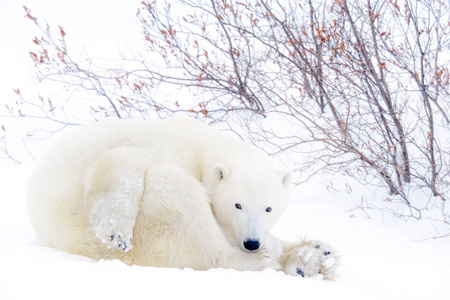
point(363, 86)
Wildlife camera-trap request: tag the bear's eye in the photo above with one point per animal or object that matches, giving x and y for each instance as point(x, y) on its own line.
point(269, 209)
point(238, 206)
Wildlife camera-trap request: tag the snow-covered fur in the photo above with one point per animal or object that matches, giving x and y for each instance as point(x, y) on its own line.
point(172, 193)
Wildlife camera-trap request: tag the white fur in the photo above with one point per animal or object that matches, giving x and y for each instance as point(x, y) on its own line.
point(161, 194)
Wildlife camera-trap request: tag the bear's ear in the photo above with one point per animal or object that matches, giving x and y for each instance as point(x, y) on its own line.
point(220, 172)
point(286, 176)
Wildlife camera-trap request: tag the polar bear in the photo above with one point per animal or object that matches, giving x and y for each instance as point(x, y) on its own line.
point(170, 193)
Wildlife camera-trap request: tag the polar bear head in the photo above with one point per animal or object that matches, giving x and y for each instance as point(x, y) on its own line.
point(247, 203)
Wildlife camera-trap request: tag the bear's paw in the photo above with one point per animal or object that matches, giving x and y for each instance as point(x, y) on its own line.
point(112, 237)
point(312, 259)
point(121, 243)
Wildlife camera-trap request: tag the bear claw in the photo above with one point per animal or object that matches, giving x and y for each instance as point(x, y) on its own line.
point(300, 272)
point(116, 241)
point(125, 245)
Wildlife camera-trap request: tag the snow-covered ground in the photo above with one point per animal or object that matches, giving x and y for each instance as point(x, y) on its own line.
point(382, 257)
point(381, 260)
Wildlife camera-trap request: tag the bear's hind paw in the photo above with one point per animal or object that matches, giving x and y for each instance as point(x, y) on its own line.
point(124, 244)
point(117, 241)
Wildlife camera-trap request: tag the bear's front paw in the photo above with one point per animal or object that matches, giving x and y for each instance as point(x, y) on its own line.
point(311, 259)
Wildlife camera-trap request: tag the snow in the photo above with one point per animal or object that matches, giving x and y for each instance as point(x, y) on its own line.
point(378, 260)
point(382, 257)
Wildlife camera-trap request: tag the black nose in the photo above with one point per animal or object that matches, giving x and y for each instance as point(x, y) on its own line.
point(251, 245)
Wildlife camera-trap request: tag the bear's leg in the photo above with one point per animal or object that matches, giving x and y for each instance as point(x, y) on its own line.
point(176, 227)
point(310, 259)
point(114, 185)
